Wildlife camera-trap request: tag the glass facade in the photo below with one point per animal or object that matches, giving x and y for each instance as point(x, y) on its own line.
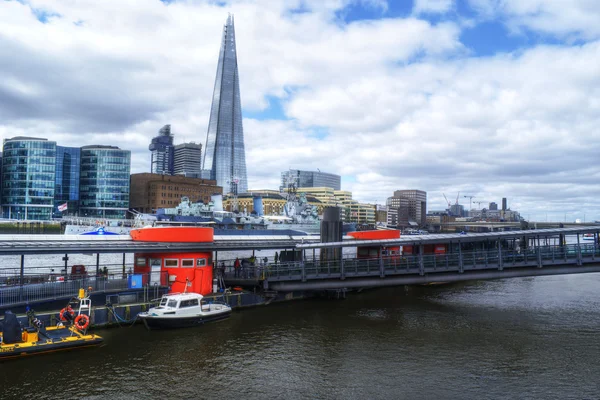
point(66, 187)
point(28, 178)
point(305, 179)
point(162, 152)
point(225, 157)
point(104, 182)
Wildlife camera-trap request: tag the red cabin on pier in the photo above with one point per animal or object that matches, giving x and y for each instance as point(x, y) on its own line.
point(176, 269)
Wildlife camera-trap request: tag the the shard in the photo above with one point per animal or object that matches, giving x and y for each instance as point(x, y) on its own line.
point(225, 158)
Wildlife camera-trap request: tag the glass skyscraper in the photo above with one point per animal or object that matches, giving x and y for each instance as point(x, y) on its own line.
point(104, 182)
point(66, 187)
point(162, 152)
point(224, 156)
point(28, 178)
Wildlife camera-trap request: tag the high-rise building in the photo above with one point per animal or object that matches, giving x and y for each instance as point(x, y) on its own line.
point(104, 182)
point(188, 157)
point(411, 205)
point(224, 156)
point(66, 183)
point(493, 206)
point(162, 152)
point(28, 166)
point(307, 179)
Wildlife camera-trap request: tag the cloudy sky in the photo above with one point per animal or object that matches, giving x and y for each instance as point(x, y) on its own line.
point(489, 98)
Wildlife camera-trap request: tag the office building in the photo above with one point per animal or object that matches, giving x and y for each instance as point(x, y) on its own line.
point(66, 183)
point(104, 182)
point(493, 206)
point(162, 152)
point(225, 157)
point(411, 206)
point(188, 157)
point(28, 178)
point(307, 179)
point(149, 192)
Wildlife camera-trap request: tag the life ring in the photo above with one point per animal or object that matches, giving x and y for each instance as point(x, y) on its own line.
point(82, 322)
point(63, 311)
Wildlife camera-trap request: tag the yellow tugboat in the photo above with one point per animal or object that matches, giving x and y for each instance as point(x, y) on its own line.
point(37, 339)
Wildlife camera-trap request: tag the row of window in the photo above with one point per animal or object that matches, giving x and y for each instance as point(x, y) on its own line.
point(172, 262)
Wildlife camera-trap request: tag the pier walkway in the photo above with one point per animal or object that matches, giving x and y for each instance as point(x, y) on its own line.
point(468, 257)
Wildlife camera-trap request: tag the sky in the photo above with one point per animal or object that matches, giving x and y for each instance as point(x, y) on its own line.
point(483, 98)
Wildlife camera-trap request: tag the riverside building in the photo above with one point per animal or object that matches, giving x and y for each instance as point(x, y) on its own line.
point(40, 179)
point(104, 182)
point(149, 192)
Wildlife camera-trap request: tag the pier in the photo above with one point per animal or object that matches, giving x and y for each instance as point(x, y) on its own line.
point(461, 257)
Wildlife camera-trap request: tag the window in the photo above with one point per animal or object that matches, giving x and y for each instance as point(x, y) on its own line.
point(163, 301)
point(140, 262)
point(188, 303)
point(188, 263)
point(201, 262)
point(172, 303)
point(171, 262)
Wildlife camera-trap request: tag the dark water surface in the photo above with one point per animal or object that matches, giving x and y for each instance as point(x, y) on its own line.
point(532, 338)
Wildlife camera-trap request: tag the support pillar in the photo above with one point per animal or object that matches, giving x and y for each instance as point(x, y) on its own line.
point(97, 269)
point(579, 261)
point(22, 277)
point(421, 263)
point(539, 253)
point(461, 268)
point(500, 263)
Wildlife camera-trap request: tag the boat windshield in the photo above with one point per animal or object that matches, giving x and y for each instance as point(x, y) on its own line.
point(172, 303)
point(163, 301)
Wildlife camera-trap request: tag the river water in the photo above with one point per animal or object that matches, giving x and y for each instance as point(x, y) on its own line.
point(525, 338)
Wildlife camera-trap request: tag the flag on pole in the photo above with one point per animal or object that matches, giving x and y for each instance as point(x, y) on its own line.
point(62, 207)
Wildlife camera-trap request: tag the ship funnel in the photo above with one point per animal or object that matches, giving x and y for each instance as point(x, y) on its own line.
point(217, 200)
point(258, 206)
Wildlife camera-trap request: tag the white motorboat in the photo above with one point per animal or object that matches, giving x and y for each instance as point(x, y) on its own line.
point(181, 310)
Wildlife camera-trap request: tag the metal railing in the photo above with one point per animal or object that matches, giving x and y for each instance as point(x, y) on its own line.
point(431, 263)
point(58, 289)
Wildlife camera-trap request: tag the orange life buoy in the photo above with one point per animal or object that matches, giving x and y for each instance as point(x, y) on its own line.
point(63, 311)
point(82, 322)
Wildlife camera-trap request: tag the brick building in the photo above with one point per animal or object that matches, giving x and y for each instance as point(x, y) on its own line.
point(150, 192)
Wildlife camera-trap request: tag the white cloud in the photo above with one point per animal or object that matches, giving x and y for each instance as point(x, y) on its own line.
point(432, 6)
point(570, 19)
point(391, 103)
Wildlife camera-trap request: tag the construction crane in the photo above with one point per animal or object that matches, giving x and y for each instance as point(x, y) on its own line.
point(470, 200)
point(479, 203)
point(449, 204)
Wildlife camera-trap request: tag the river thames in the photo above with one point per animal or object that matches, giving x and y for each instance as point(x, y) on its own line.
point(526, 338)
